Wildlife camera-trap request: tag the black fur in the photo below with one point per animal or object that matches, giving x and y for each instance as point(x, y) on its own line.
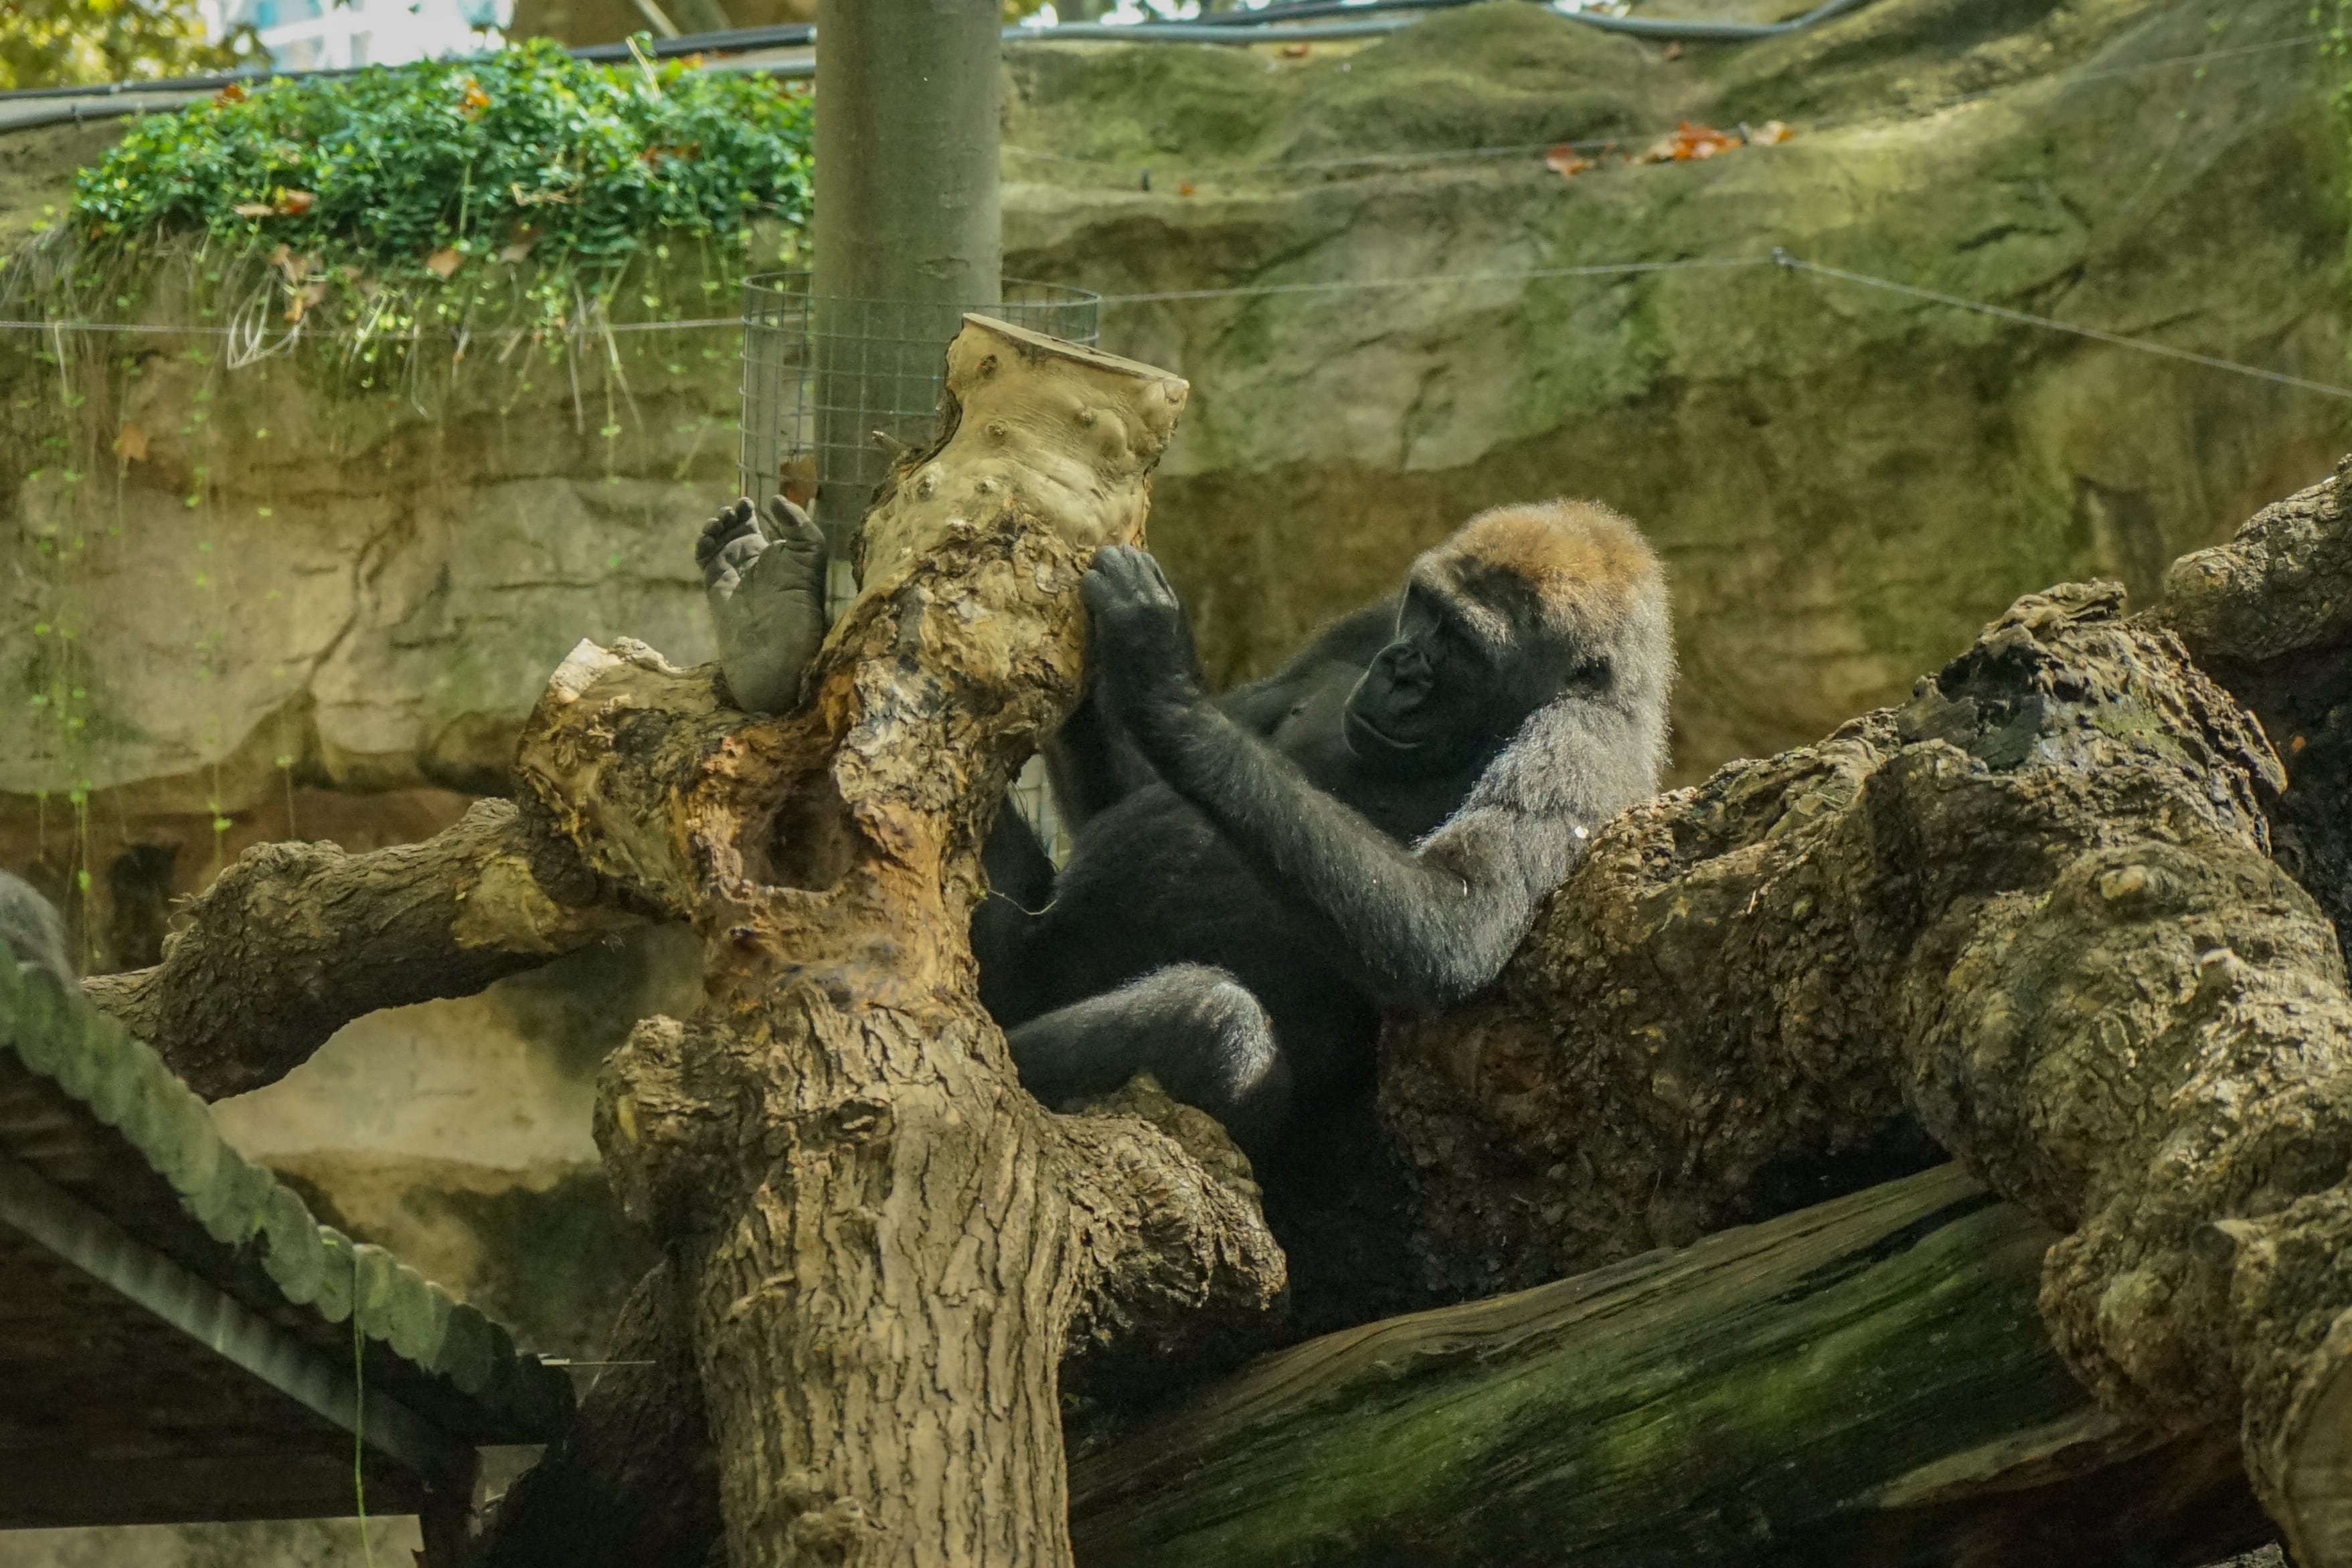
point(1374, 827)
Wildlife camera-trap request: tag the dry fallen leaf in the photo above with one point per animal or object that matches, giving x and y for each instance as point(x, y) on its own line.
point(1673, 52)
point(1701, 141)
point(294, 203)
point(254, 210)
point(442, 263)
point(130, 444)
point(1687, 143)
point(302, 300)
point(1771, 133)
point(1296, 51)
point(1566, 161)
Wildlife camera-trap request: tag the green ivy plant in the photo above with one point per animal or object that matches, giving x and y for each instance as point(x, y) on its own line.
point(523, 178)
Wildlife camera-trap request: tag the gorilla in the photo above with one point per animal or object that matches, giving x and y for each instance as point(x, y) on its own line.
point(1255, 877)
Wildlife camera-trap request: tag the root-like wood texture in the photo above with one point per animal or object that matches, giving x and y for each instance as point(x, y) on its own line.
point(296, 940)
point(884, 1245)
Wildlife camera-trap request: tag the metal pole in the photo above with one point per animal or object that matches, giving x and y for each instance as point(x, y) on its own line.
point(907, 233)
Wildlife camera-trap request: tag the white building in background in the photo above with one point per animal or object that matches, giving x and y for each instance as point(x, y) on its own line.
point(322, 35)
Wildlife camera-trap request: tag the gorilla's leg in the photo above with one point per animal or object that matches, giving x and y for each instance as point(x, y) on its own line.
point(765, 580)
point(1196, 1030)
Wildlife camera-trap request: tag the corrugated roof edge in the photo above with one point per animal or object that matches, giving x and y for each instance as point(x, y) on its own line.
point(120, 1081)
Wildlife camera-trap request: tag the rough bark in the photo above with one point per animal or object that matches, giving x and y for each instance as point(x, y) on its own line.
point(295, 940)
point(635, 1481)
point(2032, 913)
point(2269, 615)
point(885, 1246)
point(1865, 1382)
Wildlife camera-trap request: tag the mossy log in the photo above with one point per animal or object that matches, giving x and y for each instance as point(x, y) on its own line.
point(1865, 1382)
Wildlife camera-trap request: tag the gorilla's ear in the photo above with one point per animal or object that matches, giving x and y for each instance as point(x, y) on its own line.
point(35, 935)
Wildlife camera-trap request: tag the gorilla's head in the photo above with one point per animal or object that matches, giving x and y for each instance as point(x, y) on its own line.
point(1524, 605)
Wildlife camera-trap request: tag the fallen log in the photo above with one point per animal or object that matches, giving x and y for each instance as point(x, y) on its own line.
point(1865, 1382)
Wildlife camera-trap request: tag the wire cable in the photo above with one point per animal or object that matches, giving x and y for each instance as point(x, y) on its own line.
point(1780, 257)
point(1345, 284)
point(2143, 345)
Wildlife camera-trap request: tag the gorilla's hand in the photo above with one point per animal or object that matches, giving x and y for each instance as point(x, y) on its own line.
point(1143, 657)
point(766, 588)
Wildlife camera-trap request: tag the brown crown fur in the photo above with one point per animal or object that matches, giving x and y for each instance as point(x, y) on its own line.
point(1567, 570)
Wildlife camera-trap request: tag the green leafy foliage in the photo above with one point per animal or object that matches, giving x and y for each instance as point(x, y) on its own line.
point(436, 177)
point(63, 43)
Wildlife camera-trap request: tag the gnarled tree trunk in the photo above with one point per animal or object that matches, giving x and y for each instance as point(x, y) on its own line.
point(884, 1245)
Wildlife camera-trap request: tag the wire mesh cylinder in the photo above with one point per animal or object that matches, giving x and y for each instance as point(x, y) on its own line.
point(835, 388)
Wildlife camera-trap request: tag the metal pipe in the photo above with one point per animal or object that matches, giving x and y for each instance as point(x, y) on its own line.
point(907, 234)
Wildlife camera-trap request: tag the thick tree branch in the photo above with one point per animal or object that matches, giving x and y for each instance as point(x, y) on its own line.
point(2268, 616)
point(295, 940)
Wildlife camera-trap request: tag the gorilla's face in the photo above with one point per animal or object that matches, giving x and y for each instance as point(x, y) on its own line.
point(1441, 696)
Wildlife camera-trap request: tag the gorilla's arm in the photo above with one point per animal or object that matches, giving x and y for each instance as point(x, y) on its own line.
point(1418, 927)
point(1094, 763)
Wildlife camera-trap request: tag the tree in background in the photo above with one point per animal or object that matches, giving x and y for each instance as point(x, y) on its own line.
point(61, 43)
